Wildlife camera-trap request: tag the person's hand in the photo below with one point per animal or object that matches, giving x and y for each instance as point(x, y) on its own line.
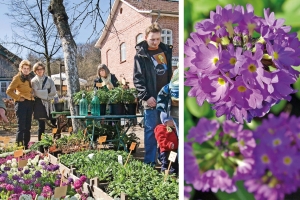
point(3, 116)
point(151, 102)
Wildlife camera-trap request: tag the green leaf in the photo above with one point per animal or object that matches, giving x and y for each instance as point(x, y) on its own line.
point(241, 193)
point(195, 109)
point(276, 109)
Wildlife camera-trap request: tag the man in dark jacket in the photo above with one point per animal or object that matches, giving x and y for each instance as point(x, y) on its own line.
point(152, 70)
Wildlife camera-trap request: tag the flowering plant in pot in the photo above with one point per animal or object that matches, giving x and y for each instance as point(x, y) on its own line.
point(116, 101)
point(130, 100)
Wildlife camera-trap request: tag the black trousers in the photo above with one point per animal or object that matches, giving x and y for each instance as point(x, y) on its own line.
point(165, 163)
point(24, 111)
point(42, 126)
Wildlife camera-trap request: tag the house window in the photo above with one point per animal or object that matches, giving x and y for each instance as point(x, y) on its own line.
point(139, 38)
point(123, 52)
point(166, 36)
point(3, 87)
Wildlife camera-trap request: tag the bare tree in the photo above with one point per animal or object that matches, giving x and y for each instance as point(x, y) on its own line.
point(33, 29)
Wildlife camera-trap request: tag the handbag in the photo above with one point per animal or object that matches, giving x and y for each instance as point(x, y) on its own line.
point(39, 110)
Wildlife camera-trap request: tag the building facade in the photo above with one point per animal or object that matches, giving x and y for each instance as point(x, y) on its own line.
point(126, 27)
point(8, 69)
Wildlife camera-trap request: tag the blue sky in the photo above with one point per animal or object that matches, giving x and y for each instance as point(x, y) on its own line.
point(84, 32)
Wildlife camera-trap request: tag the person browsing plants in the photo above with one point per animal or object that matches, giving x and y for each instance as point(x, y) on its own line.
point(44, 90)
point(167, 139)
point(152, 70)
point(21, 91)
point(105, 78)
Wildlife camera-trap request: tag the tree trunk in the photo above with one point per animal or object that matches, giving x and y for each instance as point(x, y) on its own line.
point(69, 47)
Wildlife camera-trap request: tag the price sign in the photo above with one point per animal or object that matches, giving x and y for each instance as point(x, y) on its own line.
point(18, 153)
point(22, 163)
point(6, 140)
point(132, 146)
point(54, 130)
point(98, 84)
point(70, 129)
point(60, 191)
point(172, 156)
point(102, 139)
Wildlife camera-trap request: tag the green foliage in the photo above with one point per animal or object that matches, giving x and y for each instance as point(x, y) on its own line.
point(116, 95)
point(129, 96)
point(103, 96)
point(78, 95)
point(46, 141)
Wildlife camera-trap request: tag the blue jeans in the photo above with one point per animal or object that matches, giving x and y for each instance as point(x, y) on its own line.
point(151, 120)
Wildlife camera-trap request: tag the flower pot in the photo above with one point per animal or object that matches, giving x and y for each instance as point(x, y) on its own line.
point(130, 108)
point(59, 107)
point(103, 109)
point(116, 109)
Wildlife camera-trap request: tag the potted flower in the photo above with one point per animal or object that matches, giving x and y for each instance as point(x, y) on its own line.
point(116, 106)
point(129, 99)
point(103, 98)
point(58, 104)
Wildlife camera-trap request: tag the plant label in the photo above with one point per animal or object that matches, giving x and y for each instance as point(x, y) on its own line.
point(6, 140)
point(120, 159)
point(70, 129)
point(132, 146)
point(102, 139)
point(60, 191)
point(98, 84)
point(18, 153)
point(54, 130)
point(172, 156)
point(22, 163)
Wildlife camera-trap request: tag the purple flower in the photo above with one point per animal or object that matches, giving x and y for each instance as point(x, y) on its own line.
point(26, 171)
point(78, 184)
point(192, 171)
point(10, 187)
point(230, 68)
point(15, 177)
point(37, 174)
point(6, 168)
point(215, 180)
point(2, 179)
point(70, 180)
point(231, 128)
point(204, 130)
point(187, 190)
point(82, 178)
point(246, 143)
point(18, 189)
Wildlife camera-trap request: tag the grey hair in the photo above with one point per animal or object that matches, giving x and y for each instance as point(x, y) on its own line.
point(103, 66)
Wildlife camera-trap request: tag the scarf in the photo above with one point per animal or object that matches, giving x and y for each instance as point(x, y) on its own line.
point(25, 78)
point(107, 81)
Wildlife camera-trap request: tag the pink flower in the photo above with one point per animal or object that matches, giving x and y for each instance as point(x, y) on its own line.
point(9, 187)
point(77, 184)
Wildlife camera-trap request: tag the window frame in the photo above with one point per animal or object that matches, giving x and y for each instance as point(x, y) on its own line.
point(122, 51)
point(164, 36)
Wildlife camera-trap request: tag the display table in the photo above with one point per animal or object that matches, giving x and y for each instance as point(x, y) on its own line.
point(110, 118)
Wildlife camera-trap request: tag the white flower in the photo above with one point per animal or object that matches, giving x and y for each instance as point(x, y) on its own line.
point(2, 167)
point(25, 197)
point(13, 160)
point(74, 197)
point(14, 164)
point(8, 162)
point(37, 157)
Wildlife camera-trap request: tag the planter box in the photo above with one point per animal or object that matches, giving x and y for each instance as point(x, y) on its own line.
point(94, 189)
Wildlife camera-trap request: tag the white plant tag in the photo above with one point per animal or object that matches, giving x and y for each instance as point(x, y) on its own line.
point(120, 159)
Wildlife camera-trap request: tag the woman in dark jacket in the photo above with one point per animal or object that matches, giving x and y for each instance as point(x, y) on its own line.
point(105, 78)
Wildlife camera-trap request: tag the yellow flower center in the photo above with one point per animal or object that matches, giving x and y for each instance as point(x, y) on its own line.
point(273, 182)
point(241, 88)
point(276, 142)
point(221, 81)
point(215, 60)
point(251, 28)
point(265, 159)
point(218, 27)
point(242, 142)
point(252, 68)
point(271, 131)
point(232, 61)
point(275, 55)
point(287, 160)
